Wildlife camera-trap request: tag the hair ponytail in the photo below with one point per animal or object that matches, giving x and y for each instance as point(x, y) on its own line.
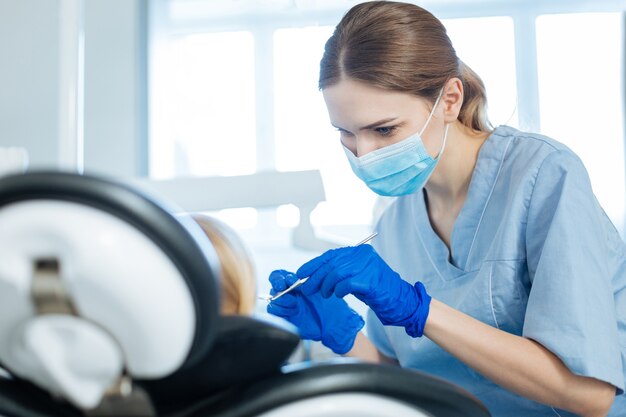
point(473, 112)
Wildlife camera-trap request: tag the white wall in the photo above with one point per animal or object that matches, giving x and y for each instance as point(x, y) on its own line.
point(114, 84)
point(115, 101)
point(29, 49)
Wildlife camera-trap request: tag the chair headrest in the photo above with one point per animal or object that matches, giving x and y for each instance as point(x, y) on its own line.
point(246, 349)
point(137, 282)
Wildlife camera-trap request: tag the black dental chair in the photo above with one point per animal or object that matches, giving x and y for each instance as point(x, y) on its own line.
point(109, 306)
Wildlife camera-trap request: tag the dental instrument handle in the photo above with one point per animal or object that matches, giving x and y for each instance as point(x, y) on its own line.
point(305, 279)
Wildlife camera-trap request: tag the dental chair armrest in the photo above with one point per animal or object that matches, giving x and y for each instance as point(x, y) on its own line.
point(432, 395)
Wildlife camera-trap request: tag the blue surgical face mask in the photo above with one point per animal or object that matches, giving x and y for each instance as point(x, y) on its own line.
point(399, 169)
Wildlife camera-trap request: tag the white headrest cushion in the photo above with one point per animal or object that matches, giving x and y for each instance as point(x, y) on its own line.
point(116, 276)
point(70, 356)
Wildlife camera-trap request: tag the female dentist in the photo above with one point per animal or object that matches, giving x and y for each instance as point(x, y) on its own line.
point(495, 268)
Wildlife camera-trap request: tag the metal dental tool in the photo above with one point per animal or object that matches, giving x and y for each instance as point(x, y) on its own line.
point(305, 279)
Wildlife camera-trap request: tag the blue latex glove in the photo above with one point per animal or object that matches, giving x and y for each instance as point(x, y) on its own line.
point(359, 270)
point(327, 319)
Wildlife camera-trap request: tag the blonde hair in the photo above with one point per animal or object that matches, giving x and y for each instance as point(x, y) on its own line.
point(401, 47)
point(238, 279)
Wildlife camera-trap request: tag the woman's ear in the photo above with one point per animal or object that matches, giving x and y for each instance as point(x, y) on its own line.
point(452, 99)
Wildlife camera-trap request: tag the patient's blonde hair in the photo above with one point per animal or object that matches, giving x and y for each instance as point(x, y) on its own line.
point(238, 277)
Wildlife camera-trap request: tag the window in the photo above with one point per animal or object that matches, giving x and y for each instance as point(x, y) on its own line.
point(580, 87)
point(203, 108)
point(234, 88)
point(305, 138)
point(490, 52)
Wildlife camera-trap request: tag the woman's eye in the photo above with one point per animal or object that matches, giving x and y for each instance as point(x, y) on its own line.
point(386, 130)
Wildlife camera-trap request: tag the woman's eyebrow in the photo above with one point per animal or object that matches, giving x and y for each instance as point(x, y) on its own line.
point(371, 125)
point(378, 123)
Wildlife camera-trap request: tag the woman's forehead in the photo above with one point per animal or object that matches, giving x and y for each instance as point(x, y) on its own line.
point(353, 103)
point(349, 89)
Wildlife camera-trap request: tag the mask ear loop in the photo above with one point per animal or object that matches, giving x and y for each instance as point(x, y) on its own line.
point(432, 112)
point(443, 145)
point(430, 116)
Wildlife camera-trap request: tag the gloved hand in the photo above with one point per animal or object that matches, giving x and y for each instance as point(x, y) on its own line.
point(359, 270)
point(327, 319)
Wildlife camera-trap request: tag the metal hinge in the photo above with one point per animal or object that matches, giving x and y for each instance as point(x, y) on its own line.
point(49, 295)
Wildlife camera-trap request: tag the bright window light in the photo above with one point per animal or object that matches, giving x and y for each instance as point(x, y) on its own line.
point(487, 46)
point(202, 104)
point(304, 136)
point(287, 215)
point(580, 83)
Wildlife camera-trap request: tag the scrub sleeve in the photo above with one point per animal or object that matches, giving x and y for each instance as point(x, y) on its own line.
point(574, 253)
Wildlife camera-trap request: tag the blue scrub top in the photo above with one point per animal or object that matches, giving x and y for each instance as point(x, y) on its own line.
point(533, 254)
